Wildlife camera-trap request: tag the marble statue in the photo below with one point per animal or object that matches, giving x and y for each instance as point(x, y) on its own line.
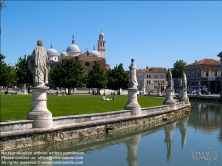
point(37, 63)
point(158, 84)
point(170, 80)
point(180, 83)
point(133, 79)
point(184, 81)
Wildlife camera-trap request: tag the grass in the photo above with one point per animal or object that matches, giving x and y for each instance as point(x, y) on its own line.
point(16, 107)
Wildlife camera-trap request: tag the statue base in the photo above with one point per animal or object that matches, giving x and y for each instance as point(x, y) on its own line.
point(169, 98)
point(132, 102)
point(159, 92)
point(183, 96)
point(199, 93)
point(41, 116)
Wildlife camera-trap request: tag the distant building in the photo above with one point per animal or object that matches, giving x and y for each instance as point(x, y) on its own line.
point(207, 71)
point(87, 59)
point(148, 78)
point(73, 52)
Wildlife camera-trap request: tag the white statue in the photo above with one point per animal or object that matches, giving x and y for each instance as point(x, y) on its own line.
point(180, 83)
point(170, 80)
point(184, 82)
point(133, 79)
point(37, 63)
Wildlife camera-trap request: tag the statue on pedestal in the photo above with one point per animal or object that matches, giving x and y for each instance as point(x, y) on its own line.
point(133, 79)
point(184, 81)
point(170, 80)
point(37, 63)
point(39, 113)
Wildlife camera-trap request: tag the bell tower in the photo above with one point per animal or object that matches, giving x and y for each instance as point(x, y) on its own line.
point(102, 45)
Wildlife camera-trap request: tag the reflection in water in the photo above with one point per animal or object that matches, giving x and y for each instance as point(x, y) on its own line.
point(183, 124)
point(169, 138)
point(204, 117)
point(220, 135)
point(132, 145)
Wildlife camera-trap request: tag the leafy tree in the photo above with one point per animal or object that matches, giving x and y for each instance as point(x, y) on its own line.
point(67, 74)
point(12, 77)
point(7, 73)
point(24, 74)
point(178, 69)
point(1, 7)
point(96, 77)
point(117, 78)
point(2, 4)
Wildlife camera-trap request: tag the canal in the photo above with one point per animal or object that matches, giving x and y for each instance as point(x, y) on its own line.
point(194, 140)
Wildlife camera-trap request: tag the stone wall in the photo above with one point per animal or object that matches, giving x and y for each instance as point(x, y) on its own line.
point(101, 124)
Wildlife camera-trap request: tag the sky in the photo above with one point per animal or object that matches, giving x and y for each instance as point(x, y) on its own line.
point(154, 33)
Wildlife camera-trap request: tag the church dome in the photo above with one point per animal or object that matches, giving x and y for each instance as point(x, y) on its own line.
point(52, 52)
point(73, 47)
point(63, 54)
point(95, 52)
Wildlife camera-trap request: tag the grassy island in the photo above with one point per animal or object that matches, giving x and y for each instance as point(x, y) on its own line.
point(16, 107)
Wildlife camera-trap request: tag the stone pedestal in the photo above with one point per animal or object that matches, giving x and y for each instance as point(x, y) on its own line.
point(41, 116)
point(199, 92)
point(132, 102)
point(183, 96)
point(169, 98)
point(159, 92)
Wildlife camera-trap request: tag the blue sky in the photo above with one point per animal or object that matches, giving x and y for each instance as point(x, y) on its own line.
point(154, 33)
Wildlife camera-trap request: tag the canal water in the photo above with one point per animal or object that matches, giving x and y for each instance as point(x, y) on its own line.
point(194, 140)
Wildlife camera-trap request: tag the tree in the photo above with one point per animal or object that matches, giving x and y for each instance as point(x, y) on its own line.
point(178, 69)
point(96, 77)
point(1, 7)
point(2, 4)
point(117, 78)
point(67, 74)
point(7, 73)
point(24, 74)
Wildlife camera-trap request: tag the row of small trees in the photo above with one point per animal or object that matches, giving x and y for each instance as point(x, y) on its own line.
point(67, 74)
point(18, 74)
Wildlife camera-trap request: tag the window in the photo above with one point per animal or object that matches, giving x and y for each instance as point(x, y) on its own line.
point(147, 82)
point(155, 76)
point(148, 76)
point(87, 64)
point(207, 73)
point(198, 74)
point(215, 73)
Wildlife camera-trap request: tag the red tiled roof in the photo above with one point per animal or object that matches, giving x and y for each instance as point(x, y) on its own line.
point(205, 62)
point(153, 70)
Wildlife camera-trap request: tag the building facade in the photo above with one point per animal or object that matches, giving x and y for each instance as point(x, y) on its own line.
point(148, 78)
point(87, 58)
point(205, 71)
point(73, 52)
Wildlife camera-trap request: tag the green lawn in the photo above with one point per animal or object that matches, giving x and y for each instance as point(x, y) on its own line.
point(16, 107)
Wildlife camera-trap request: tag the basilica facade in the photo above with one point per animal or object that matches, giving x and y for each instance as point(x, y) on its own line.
point(87, 58)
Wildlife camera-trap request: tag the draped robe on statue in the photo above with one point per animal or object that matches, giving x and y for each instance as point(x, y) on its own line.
point(40, 72)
